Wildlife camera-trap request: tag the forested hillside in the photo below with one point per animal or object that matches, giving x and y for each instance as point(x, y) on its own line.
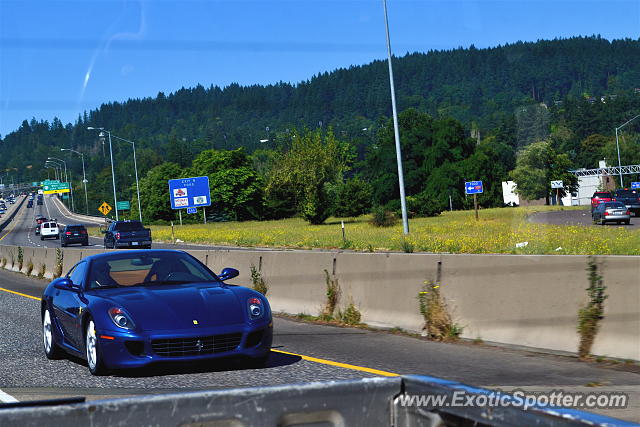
point(572, 92)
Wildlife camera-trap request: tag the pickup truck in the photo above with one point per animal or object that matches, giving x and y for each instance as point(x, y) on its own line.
point(127, 234)
point(630, 198)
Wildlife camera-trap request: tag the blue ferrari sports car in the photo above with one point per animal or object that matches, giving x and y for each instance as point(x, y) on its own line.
point(130, 309)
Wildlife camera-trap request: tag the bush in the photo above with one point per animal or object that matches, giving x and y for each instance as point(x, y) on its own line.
point(333, 296)
point(258, 281)
point(382, 218)
point(351, 315)
point(352, 198)
point(439, 324)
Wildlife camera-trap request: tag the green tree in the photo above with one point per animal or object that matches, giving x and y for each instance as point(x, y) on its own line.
point(154, 192)
point(352, 198)
point(313, 161)
point(236, 187)
point(536, 166)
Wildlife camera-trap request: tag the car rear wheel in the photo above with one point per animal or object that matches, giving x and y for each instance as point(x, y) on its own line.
point(41, 237)
point(85, 243)
point(51, 349)
point(92, 347)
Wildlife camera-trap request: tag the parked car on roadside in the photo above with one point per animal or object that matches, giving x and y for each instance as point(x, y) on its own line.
point(611, 212)
point(49, 229)
point(74, 234)
point(600, 197)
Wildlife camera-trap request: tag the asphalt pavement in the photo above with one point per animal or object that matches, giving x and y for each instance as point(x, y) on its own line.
point(574, 217)
point(317, 353)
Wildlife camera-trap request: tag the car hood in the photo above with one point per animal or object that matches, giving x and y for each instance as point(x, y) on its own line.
point(167, 307)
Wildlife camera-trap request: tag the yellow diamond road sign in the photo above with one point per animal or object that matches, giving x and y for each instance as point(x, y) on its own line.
point(105, 208)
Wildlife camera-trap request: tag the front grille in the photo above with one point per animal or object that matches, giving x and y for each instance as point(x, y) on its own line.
point(180, 347)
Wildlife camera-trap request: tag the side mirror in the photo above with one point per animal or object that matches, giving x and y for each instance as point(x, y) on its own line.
point(228, 273)
point(66, 285)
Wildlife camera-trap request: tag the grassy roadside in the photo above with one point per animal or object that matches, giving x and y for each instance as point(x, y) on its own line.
point(498, 231)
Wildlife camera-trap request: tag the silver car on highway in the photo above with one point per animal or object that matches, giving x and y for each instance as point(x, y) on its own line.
point(611, 212)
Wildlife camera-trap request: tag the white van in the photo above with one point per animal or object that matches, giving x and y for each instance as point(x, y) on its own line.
point(49, 229)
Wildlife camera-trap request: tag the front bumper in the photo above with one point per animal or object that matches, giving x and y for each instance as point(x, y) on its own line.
point(122, 350)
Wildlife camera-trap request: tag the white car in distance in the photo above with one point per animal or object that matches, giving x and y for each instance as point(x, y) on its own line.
point(49, 229)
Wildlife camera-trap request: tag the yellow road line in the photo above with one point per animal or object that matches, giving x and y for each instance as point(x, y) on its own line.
point(21, 294)
point(338, 364)
point(302, 356)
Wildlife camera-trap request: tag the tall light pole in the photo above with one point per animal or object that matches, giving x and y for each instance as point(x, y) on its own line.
point(61, 176)
point(396, 130)
point(135, 166)
point(113, 175)
point(73, 205)
point(49, 164)
point(618, 147)
point(84, 177)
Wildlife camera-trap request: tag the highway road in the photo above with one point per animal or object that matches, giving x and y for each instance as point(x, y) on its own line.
point(22, 230)
point(574, 217)
point(301, 353)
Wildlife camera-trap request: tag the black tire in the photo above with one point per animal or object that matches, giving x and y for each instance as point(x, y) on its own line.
point(41, 237)
point(92, 350)
point(627, 222)
point(51, 349)
point(602, 222)
point(64, 245)
point(85, 243)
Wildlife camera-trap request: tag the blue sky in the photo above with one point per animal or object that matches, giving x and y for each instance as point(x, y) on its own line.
point(60, 58)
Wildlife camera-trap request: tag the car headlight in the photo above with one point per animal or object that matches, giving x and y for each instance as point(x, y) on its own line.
point(121, 319)
point(256, 309)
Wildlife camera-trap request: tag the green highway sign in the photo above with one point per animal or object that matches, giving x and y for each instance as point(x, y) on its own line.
point(56, 187)
point(123, 206)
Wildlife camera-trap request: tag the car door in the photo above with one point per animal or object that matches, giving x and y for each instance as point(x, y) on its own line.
point(68, 307)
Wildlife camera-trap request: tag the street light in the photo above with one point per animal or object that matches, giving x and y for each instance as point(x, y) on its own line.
point(113, 175)
point(58, 166)
point(618, 147)
point(73, 206)
point(135, 166)
point(53, 166)
point(84, 177)
point(396, 131)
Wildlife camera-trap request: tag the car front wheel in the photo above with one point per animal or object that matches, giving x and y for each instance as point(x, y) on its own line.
point(51, 350)
point(92, 347)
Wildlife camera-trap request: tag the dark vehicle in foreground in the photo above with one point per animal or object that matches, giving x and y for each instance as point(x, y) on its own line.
point(131, 309)
point(629, 198)
point(600, 197)
point(71, 234)
point(611, 212)
point(127, 234)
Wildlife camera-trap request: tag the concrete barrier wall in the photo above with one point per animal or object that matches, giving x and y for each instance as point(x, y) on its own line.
point(520, 300)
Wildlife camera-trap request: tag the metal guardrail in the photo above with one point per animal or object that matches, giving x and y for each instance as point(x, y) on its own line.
point(612, 170)
point(366, 402)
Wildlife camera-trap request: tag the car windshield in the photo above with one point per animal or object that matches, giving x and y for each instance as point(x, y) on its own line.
point(129, 226)
point(147, 269)
point(626, 193)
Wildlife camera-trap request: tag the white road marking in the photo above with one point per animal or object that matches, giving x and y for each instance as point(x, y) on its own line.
point(7, 398)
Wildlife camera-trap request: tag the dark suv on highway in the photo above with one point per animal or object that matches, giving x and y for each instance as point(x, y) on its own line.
point(630, 198)
point(74, 234)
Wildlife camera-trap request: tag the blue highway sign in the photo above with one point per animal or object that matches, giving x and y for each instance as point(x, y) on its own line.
point(192, 210)
point(635, 185)
point(473, 187)
point(189, 192)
